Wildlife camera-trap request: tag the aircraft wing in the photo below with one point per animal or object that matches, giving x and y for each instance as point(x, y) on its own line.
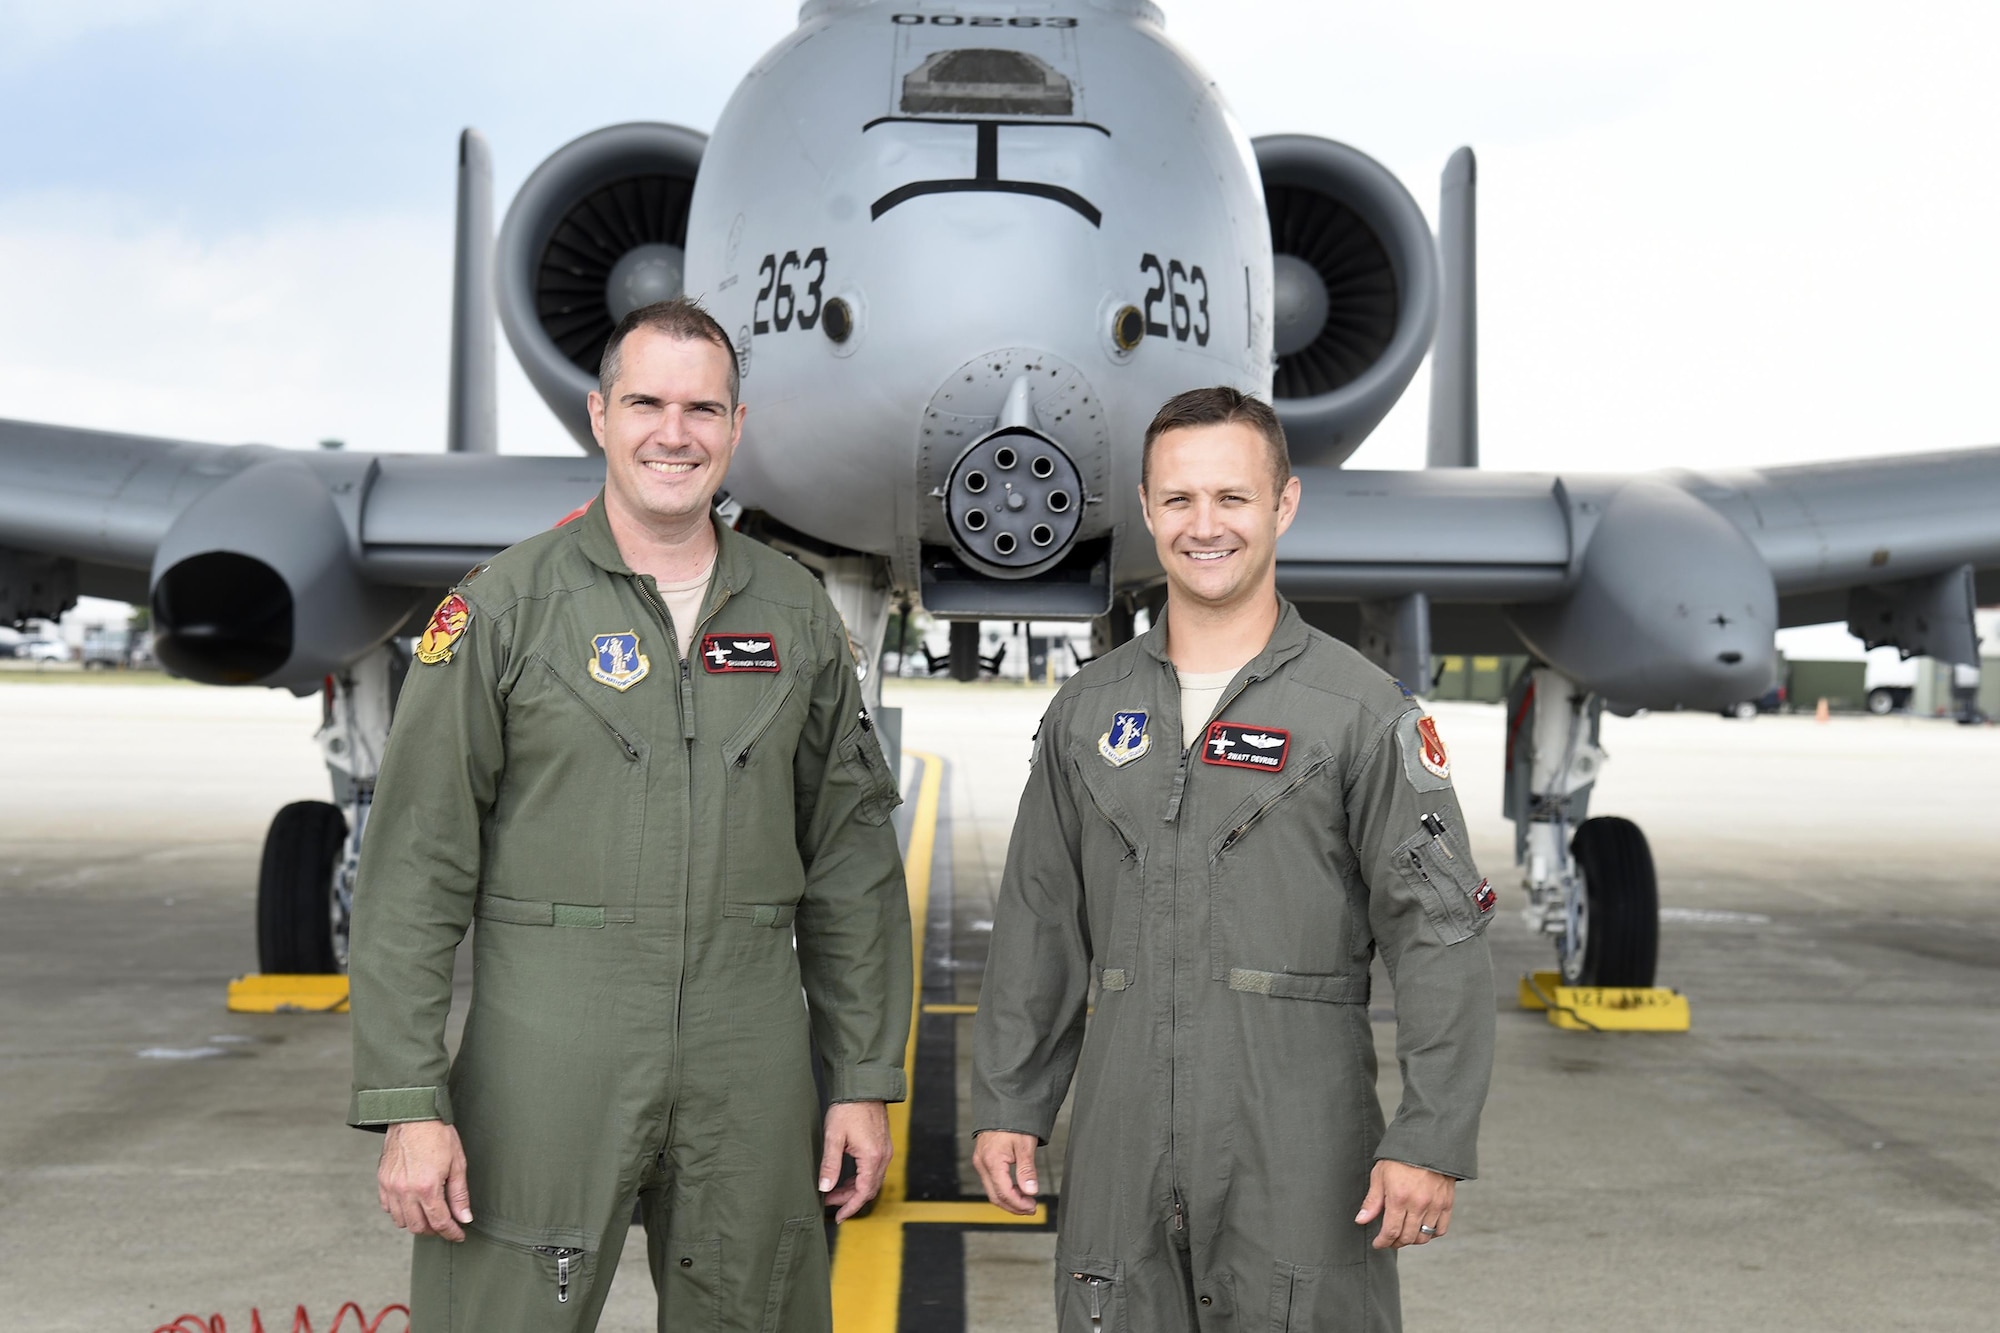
point(336, 544)
point(1594, 572)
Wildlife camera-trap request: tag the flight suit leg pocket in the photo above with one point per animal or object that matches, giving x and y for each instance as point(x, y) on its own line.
point(1090, 1295)
point(1447, 884)
point(489, 1279)
point(1292, 1290)
point(688, 1273)
point(796, 1265)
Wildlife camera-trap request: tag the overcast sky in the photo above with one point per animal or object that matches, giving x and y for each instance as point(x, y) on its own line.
point(1711, 234)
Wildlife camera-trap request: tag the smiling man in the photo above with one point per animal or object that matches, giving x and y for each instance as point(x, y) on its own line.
point(633, 748)
point(1226, 820)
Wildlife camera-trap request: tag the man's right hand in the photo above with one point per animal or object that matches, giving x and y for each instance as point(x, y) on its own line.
point(1003, 1159)
point(421, 1181)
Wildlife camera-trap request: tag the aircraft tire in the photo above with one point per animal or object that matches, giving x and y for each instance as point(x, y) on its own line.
point(1622, 945)
point(295, 889)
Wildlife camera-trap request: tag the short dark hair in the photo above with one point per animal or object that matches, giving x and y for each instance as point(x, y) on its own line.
point(1219, 406)
point(681, 318)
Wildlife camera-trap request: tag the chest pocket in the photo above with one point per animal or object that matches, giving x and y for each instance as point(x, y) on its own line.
point(569, 822)
point(1113, 855)
point(760, 837)
point(1280, 923)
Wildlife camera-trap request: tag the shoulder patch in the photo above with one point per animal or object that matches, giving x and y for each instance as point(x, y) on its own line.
point(1425, 761)
point(446, 627)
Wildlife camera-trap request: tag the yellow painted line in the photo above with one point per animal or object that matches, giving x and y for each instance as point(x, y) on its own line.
point(868, 1264)
point(951, 1009)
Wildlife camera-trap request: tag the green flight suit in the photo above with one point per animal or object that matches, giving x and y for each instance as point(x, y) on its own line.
point(1226, 902)
point(641, 839)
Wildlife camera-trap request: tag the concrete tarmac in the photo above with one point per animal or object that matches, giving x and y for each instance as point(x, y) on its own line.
point(1820, 1153)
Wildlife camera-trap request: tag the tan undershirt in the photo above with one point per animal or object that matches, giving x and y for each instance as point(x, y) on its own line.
point(1200, 692)
point(684, 605)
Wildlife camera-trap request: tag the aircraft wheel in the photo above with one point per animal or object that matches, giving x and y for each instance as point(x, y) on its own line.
point(965, 650)
point(295, 903)
point(1617, 929)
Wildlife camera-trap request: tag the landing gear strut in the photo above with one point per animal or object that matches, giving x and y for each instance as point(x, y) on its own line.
point(305, 885)
point(1594, 894)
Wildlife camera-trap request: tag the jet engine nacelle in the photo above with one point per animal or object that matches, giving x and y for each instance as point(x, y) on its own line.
point(1355, 288)
point(255, 584)
point(1672, 605)
point(597, 231)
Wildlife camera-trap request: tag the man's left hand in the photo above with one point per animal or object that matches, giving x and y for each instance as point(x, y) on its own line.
point(1408, 1199)
point(861, 1131)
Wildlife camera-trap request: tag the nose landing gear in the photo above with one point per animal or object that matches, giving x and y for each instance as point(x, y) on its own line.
point(1595, 895)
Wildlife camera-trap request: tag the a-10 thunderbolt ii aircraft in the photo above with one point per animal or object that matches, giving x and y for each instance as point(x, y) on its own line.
point(965, 252)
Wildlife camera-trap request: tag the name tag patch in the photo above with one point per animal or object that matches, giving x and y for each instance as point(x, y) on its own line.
point(1245, 745)
point(722, 654)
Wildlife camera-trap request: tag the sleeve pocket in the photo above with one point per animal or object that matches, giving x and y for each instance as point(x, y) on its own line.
point(1445, 885)
point(879, 793)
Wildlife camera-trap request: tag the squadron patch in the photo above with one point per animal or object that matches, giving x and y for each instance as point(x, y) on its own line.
point(447, 624)
point(1425, 762)
point(1241, 745)
point(722, 654)
point(1127, 740)
point(1431, 752)
point(616, 660)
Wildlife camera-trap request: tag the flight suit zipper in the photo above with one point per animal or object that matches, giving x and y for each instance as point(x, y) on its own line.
point(1266, 808)
point(566, 1257)
point(1173, 994)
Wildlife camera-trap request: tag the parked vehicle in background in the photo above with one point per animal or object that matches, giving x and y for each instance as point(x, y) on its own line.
point(1891, 683)
point(1771, 701)
point(43, 650)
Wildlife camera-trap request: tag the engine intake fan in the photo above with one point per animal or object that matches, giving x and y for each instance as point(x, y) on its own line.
point(597, 231)
point(1355, 277)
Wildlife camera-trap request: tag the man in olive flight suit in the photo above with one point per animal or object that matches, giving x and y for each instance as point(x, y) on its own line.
point(634, 749)
point(1226, 819)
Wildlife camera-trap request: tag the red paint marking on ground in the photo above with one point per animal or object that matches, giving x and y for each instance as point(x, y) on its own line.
point(301, 1321)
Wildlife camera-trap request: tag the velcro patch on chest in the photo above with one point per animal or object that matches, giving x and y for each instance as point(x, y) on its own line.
point(725, 653)
point(1245, 745)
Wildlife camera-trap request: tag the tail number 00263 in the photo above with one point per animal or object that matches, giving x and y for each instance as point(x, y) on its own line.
point(788, 305)
point(1172, 282)
point(981, 21)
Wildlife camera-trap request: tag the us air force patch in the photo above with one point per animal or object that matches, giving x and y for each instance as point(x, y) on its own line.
point(725, 653)
point(447, 623)
point(618, 662)
point(1425, 761)
point(1127, 740)
point(1240, 745)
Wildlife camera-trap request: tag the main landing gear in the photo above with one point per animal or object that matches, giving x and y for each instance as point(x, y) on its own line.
point(305, 885)
point(1592, 891)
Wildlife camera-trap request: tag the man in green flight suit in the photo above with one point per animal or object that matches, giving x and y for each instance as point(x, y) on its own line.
point(634, 749)
point(1227, 818)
